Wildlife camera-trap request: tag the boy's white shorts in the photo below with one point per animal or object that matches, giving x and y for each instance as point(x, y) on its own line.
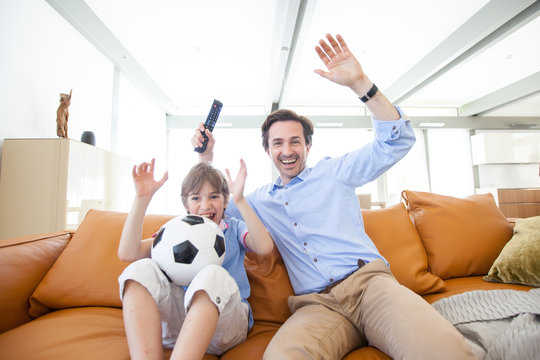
point(173, 302)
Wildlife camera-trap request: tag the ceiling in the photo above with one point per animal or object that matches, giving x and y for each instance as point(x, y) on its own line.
point(473, 61)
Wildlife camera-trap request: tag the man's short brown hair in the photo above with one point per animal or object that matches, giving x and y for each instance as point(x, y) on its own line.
point(196, 177)
point(286, 115)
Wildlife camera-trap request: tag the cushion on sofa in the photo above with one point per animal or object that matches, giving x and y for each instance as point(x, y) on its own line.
point(462, 236)
point(396, 238)
point(24, 262)
point(86, 272)
point(519, 260)
point(270, 286)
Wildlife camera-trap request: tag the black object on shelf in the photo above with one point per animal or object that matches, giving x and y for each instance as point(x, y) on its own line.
point(88, 137)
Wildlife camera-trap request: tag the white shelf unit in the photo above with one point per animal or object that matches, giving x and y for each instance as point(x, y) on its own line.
point(48, 185)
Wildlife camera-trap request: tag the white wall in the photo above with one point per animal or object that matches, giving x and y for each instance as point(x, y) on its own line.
point(42, 55)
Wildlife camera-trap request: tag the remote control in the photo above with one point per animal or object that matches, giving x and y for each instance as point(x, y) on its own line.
point(210, 122)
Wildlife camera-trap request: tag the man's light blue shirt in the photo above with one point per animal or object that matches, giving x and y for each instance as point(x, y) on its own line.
point(316, 221)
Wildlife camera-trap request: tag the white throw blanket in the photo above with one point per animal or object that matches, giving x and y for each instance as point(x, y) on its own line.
point(497, 324)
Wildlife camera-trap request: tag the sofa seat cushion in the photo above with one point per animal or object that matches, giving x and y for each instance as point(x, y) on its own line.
point(261, 334)
point(459, 285)
point(367, 353)
point(81, 333)
point(398, 241)
point(462, 236)
point(252, 348)
point(86, 272)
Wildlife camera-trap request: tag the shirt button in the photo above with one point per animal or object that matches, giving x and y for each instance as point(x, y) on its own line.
point(305, 243)
point(331, 280)
point(393, 128)
point(295, 224)
point(286, 203)
point(315, 260)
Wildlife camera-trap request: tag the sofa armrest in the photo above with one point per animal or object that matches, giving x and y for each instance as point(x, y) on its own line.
point(24, 261)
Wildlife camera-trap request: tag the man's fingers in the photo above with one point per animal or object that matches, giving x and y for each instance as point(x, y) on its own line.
point(329, 52)
point(333, 42)
point(342, 43)
point(322, 55)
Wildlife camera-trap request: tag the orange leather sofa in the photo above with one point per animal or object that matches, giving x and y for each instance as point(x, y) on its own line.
point(59, 291)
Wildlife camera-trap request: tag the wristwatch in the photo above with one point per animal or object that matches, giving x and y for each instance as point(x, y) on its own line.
point(371, 93)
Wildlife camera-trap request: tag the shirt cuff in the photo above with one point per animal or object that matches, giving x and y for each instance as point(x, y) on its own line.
point(389, 129)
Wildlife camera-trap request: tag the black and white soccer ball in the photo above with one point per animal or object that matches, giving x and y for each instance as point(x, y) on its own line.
point(186, 244)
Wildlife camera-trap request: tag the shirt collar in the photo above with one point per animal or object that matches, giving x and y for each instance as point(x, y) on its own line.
point(223, 225)
point(278, 184)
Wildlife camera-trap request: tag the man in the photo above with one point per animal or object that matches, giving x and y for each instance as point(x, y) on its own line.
point(346, 296)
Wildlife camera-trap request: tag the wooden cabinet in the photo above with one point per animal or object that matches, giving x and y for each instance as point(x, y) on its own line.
point(49, 184)
point(519, 203)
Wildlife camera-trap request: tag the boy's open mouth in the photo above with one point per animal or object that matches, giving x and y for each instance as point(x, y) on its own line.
point(211, 216)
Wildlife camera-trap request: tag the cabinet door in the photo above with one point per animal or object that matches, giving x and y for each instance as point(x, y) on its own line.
point(96, 179)
point(29, 186)
point(50, 184)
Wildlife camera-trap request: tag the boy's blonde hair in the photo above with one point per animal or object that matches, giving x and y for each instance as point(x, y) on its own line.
point(196, 177)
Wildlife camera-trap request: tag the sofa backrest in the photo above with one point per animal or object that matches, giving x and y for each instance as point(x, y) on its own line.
point(86, 272)
point(396, 238)
point(24, 261)
point(462, 236)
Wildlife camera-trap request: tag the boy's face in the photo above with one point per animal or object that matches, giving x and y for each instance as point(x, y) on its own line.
point(207, 202)
point(287, 148)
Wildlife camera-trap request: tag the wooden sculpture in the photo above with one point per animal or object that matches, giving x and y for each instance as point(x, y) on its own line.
point(62, 115)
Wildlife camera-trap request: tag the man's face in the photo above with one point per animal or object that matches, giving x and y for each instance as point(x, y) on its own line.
point(287, 148)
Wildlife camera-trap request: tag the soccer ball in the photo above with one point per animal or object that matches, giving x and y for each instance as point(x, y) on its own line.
point(186, 244)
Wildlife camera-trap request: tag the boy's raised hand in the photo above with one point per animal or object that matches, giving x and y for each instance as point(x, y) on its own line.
point(236, 187)
point(143, 178)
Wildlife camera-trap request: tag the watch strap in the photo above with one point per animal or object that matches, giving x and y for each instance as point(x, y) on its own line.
point(371, 93)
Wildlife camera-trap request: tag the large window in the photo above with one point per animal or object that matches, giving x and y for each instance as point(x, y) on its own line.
point(450, 167)
point(231, 146)
point(338, 141)
point(450, 162)
point(410, 173)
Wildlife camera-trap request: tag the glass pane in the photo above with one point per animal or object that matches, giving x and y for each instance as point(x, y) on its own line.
point(336, 142)
point(410, 173)
point(450, 162)
point(231, 146)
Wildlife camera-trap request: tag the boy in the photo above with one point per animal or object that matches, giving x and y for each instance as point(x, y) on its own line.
point(212, 314)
